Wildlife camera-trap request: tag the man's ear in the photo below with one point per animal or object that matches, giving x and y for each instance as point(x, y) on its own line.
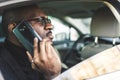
point(11, 26)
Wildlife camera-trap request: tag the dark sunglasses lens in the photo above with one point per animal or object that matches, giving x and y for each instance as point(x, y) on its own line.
point(48, 21)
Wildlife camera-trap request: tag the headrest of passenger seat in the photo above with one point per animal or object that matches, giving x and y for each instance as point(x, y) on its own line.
point(104, 24)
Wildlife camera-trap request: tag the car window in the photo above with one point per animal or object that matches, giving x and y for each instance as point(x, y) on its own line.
point(83, 24)
point(62, 31)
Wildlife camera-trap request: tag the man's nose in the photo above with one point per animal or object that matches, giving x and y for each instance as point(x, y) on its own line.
point(48, 26)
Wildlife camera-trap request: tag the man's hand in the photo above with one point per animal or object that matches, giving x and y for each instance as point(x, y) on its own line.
point(45, 59)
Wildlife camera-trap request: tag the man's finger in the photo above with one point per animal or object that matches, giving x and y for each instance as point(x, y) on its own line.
point(54, 53)
point(29, 56)
point(36, 54)
point(43, 49)
point(48, 49)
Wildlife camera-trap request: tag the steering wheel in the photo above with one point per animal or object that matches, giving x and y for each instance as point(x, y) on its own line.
point(74, 50)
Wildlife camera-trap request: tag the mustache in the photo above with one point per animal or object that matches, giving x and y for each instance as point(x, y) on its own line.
point(50, 32)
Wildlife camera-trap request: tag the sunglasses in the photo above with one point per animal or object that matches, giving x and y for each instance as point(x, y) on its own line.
point(42, 20)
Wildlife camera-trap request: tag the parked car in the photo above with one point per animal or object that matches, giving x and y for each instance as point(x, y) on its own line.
point(80, 29)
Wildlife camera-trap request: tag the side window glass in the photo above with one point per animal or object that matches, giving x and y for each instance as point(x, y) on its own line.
point(62, 31)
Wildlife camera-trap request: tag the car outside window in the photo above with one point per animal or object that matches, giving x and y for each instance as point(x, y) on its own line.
point(64, 32)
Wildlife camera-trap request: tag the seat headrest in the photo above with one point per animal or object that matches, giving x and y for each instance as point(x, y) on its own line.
point(104, 24)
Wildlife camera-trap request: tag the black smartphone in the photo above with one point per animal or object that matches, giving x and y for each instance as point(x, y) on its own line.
point(26, 34)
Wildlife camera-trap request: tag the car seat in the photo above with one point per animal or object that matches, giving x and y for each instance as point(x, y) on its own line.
point(103, 26)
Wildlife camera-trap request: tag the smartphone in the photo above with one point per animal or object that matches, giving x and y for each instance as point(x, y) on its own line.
point(26, 34)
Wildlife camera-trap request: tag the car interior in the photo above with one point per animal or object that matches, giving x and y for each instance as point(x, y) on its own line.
point(104, 26)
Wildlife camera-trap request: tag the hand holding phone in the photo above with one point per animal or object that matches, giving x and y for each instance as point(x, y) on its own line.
point(26, 34)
